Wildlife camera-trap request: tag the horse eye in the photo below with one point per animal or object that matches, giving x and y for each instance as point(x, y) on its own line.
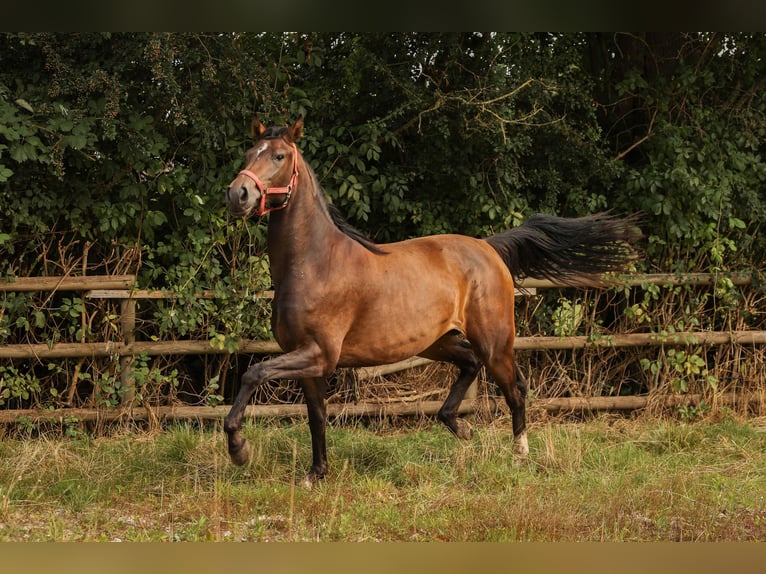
point(279, 157)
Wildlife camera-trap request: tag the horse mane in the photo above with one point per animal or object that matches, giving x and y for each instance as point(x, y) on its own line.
point(348, 229)
point(337, 217)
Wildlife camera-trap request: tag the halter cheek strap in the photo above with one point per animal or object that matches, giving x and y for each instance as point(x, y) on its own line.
point(266, 191)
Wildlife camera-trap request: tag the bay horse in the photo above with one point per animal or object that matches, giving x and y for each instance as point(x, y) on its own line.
point(341, 300)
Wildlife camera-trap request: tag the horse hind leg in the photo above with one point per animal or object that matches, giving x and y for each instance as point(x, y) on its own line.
point(513, 385)
point(455, 349)
point(519, 416)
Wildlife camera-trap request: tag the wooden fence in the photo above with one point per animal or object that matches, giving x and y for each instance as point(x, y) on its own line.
point(121, 288)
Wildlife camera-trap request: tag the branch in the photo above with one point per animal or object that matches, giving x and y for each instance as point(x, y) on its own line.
point(649, 134)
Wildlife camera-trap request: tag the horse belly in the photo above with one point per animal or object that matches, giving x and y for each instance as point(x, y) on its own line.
point(415, 295)
point(390, 333)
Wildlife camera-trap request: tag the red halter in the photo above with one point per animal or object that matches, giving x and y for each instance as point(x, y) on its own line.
point(266, 191)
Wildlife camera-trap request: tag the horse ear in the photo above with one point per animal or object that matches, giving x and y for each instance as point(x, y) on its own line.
point(257, 129)
point(296, 130)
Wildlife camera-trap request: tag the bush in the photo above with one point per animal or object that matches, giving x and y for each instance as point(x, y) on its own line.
point(115, 150)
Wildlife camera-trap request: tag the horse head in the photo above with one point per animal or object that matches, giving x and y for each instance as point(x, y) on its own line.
point(271, 169)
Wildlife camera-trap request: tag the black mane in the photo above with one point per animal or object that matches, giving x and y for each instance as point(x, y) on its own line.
point(341, 223)
point(337, 217)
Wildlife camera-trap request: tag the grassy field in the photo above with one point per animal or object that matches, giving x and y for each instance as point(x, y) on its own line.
point(608, 479)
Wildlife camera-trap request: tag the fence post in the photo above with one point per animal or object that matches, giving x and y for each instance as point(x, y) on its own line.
point(128, 325)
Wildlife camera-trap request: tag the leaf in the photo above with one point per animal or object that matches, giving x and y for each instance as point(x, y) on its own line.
point(77, 141)
point(737, 223)
point(22, 103)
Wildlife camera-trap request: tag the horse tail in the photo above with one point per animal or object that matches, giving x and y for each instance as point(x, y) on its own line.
point(572, 251)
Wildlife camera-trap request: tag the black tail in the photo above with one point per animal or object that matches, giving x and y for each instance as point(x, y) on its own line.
point(573, 251)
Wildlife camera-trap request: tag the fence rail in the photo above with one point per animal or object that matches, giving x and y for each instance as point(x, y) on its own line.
point(67, 283)
point(370, 409)
point(121, 287)
point(154, 348)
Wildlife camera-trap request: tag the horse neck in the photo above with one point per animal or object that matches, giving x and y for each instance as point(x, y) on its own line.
point(302, 234)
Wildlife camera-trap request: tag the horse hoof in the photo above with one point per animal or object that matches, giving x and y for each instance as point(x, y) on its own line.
point(310, 480)
point(240, 454)
point(307, 482)
point(521, 446)
point(463, 430)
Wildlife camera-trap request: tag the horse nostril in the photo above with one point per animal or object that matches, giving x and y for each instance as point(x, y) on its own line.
point(236, 198)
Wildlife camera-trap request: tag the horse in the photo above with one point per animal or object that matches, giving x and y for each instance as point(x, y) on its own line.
point(341, 300)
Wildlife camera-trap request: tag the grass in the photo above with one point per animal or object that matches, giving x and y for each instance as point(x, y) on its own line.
point(608, 479)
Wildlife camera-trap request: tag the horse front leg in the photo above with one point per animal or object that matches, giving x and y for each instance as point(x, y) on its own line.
point(314, 391)
point(303, 363)
point(239, 452)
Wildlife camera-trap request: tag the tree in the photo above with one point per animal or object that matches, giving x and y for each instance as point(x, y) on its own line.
point(684, 112)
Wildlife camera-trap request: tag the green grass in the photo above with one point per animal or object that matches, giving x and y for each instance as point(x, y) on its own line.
point(607, 479)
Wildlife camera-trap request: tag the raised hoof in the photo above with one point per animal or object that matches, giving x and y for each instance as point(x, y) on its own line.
point(240, 454)
point(463, 430)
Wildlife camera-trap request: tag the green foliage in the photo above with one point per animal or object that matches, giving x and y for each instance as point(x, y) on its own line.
point(116, 149)
point(700, 174)
point(461, 132)
point(567, 318)
point(17, 384)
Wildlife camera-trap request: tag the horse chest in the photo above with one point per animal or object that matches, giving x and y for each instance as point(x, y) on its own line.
point(294, 314)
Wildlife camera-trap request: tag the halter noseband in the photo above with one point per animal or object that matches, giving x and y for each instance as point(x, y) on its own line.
point(266, 191)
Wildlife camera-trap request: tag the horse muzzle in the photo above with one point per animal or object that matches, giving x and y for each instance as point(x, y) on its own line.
point(242, 196)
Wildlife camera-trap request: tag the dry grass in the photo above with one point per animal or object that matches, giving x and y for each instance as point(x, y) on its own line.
point(607, 479)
